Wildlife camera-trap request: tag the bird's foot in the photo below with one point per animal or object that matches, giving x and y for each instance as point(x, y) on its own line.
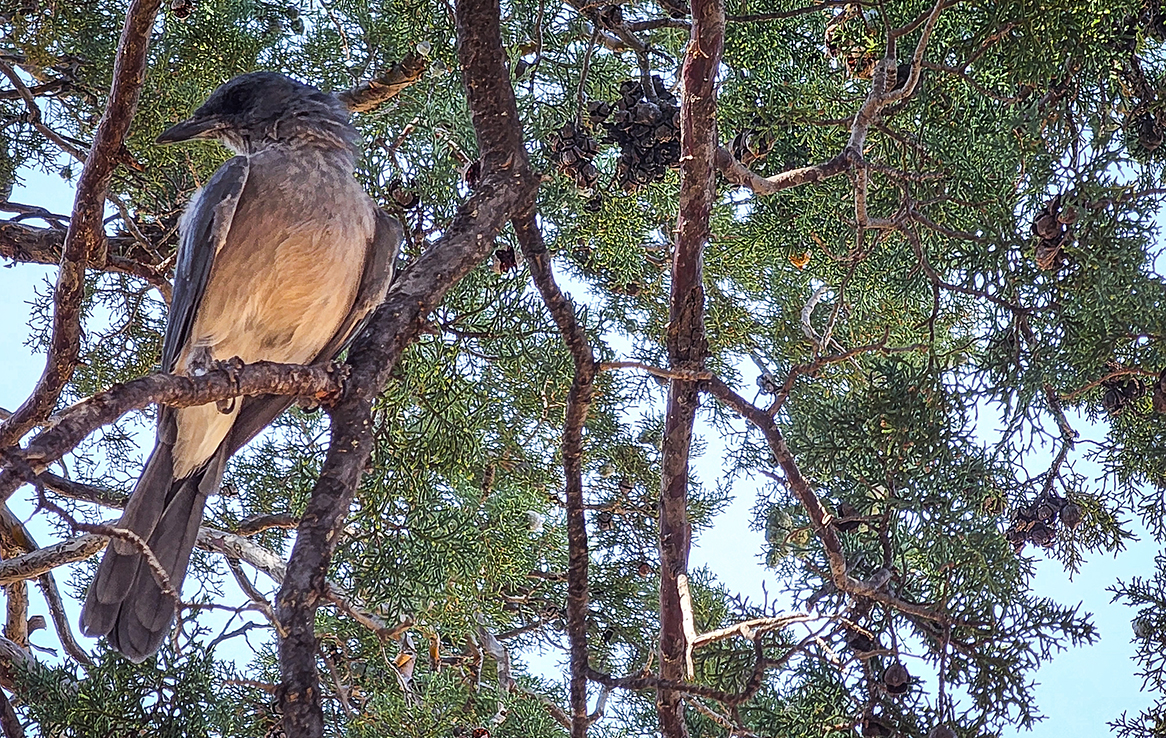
point(231, 366)
point(329, 399)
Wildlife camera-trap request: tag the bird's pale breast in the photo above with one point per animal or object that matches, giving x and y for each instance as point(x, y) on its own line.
point(281, 284)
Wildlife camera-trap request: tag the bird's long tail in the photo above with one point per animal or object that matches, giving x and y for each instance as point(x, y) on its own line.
point(126, 603)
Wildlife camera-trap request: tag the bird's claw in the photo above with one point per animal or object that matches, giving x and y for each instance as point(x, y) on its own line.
point(330, 399)
point(231, 366)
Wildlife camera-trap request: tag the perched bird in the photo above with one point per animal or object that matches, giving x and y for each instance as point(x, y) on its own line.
point(281, 256)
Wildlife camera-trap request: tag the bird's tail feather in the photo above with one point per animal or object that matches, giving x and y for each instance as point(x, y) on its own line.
point(125, 602)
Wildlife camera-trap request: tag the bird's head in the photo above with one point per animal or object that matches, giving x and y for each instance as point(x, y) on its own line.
point(261, 108)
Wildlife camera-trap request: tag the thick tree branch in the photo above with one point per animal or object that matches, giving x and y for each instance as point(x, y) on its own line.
point(507, 187)
point(368, 95)
point(85, 240)
point(27, 244)
point(43, 560)
point(55, 87)
point(687, 348)
point(578, 403)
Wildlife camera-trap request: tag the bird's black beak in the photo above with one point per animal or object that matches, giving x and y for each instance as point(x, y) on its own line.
point(191, 129)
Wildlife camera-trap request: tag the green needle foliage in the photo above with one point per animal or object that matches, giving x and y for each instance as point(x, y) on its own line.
point(1021, 283)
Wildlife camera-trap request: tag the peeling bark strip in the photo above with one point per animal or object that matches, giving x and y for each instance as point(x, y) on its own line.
point(73, 424)
point(578, 403)
point(507, 187)
point(686, 345)
point(85, 240)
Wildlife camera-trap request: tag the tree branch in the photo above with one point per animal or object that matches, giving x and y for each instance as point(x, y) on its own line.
point(72, 425)
point(85, 240)
point(821, 520)
point(43, 560)
point(740, 175)
point(507, 187)
point(578, 403)
point(368, 95)
point(27, 244)
point(48, 587)
point(878, 98)
point(749, 628)
point(687, 348)
point(34, 114)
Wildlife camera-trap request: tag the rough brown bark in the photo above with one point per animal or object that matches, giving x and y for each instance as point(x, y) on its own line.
point(73, 424)
point(27, 244)
point(507, 187)
point(368, 95)
point(578, 403)
point(686, 349)
point(85, 240)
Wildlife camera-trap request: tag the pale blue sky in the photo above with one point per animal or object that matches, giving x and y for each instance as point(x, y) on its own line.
point(1079, 691)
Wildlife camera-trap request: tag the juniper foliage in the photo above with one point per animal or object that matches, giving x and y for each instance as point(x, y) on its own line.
point(1026, 171)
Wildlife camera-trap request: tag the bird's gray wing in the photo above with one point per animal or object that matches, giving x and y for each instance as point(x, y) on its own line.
point(207, 224)
point(257, 412)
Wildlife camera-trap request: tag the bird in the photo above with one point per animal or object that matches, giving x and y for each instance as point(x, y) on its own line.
point(281, 257)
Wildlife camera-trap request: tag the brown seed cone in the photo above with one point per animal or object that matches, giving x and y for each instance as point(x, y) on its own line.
point(896, 678)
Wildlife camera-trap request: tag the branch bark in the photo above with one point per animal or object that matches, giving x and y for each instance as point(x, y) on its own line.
point(85, 240)
point(507, 187)
point(687, 349)
point(578, 403)
point(27, 244)
point(368, 95)
point(43, 560)
point(69, 427)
